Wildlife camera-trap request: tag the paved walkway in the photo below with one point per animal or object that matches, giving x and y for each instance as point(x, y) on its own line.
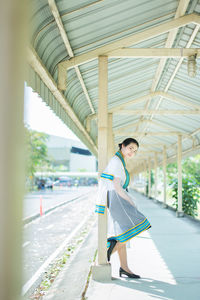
point(167, 257)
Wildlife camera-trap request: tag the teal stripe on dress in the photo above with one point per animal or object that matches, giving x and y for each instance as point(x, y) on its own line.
point(111, 177)
point(134, 232)
point(131, 229)
point(143, 228)
point(100, 209)
point(140, 224)
point(127, 179)
point(126, 234)
point(119, 154)
point(107, 176)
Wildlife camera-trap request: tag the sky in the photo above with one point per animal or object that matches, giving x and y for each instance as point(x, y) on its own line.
point(41, 118)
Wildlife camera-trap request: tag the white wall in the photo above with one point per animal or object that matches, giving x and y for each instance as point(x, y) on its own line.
point(79, 162)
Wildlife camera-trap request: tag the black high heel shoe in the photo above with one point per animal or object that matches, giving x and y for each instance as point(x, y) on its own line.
point(110, 249)
point(130, 275)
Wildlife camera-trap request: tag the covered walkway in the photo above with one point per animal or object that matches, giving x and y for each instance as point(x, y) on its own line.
point(166, 257)
point(109, 69)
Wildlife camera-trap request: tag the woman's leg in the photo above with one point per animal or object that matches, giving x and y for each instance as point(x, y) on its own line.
point(121, 249)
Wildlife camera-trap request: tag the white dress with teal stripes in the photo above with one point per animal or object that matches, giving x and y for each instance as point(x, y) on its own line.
point(124, 220)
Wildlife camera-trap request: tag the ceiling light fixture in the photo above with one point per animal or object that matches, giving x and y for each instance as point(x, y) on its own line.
point(192, 70)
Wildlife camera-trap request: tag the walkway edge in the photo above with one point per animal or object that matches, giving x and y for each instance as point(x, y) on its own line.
point(156, 201)
point(33, 217)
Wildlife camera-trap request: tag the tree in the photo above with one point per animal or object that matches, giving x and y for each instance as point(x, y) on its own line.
point(190, 194)
point(190, 184)
point(36, 151)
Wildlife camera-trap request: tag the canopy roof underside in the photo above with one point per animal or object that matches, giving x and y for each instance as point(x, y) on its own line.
point(160, 99)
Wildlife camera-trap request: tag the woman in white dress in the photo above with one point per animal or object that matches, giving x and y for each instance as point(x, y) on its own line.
point(124, 219)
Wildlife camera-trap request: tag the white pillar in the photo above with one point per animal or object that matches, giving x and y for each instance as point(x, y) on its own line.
point(179, 156)
point(156, 177)
point(146, 176)
point(102, 271)
point(149, 190)
point(13, 28)
point(164, 177)
point(110, 136)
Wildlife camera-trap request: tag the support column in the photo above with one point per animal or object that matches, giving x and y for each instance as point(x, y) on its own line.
point(164, 177)
point(110, 137)
point(149, 190)
point(13, 28)
point(102, 271)
point(179, 213)
point(156, 177)
point(146, 175)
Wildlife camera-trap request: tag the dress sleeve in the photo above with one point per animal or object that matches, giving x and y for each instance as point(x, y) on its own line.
point(115, 168)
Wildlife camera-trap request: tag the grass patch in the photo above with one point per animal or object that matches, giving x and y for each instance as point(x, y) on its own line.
point(56, 266)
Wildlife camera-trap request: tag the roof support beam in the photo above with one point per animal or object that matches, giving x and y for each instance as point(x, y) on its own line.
point(158, 112)
point(172, 158)
point(62, 71)
point(182, 7)
point(61, 28)
point(175, 71)
point(169, 133)
point(40, 69)
point(131, 40)
point(124, 128)
point(158, 124)
point(146, 97)
point(134, 101)
point(153, 52)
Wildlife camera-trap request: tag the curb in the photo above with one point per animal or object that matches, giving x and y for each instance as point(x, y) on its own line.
point(36, 216)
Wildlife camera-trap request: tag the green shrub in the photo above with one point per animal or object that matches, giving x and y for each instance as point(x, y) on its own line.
point(190, 194)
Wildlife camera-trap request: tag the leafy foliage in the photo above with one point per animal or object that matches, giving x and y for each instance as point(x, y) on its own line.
point(190, 194)
point(190, 184)
point(36, 151)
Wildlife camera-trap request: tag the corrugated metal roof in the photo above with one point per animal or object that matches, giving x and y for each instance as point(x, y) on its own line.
point(93, 24)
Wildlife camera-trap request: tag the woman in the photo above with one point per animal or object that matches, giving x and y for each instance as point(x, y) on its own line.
point(124, 220)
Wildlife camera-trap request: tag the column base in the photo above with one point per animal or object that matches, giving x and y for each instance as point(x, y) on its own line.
point(164, 205)
point(101, 272)
point(180, 214)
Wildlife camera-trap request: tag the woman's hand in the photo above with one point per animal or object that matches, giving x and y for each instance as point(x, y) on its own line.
point(133, 201)
point(121, 192)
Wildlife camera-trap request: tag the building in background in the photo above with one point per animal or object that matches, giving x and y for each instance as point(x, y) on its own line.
point(72, 154)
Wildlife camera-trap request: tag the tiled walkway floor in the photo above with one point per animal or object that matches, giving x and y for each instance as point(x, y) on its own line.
point(167, 257)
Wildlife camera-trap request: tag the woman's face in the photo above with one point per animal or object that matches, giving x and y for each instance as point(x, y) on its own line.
point(129, 150)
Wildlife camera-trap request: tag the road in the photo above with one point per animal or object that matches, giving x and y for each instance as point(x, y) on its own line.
point(44, 235)
point(51, 199)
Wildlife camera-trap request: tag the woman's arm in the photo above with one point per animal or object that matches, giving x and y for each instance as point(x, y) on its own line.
point(120, 191)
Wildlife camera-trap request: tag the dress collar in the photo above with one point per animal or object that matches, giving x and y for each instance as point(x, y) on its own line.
point(121, 156)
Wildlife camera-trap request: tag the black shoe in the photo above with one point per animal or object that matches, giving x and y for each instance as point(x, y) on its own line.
point(110, 249)
point(130, 275)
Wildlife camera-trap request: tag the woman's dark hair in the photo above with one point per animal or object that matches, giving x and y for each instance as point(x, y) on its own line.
point(128, 141)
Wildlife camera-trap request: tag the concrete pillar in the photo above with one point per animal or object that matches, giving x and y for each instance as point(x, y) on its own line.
point(13, 28)
point(146, 175)
point(164, 177)
point(149, 167)
point(179, 156)
point(102, 271)
point(156, 177)
point(110, 137)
